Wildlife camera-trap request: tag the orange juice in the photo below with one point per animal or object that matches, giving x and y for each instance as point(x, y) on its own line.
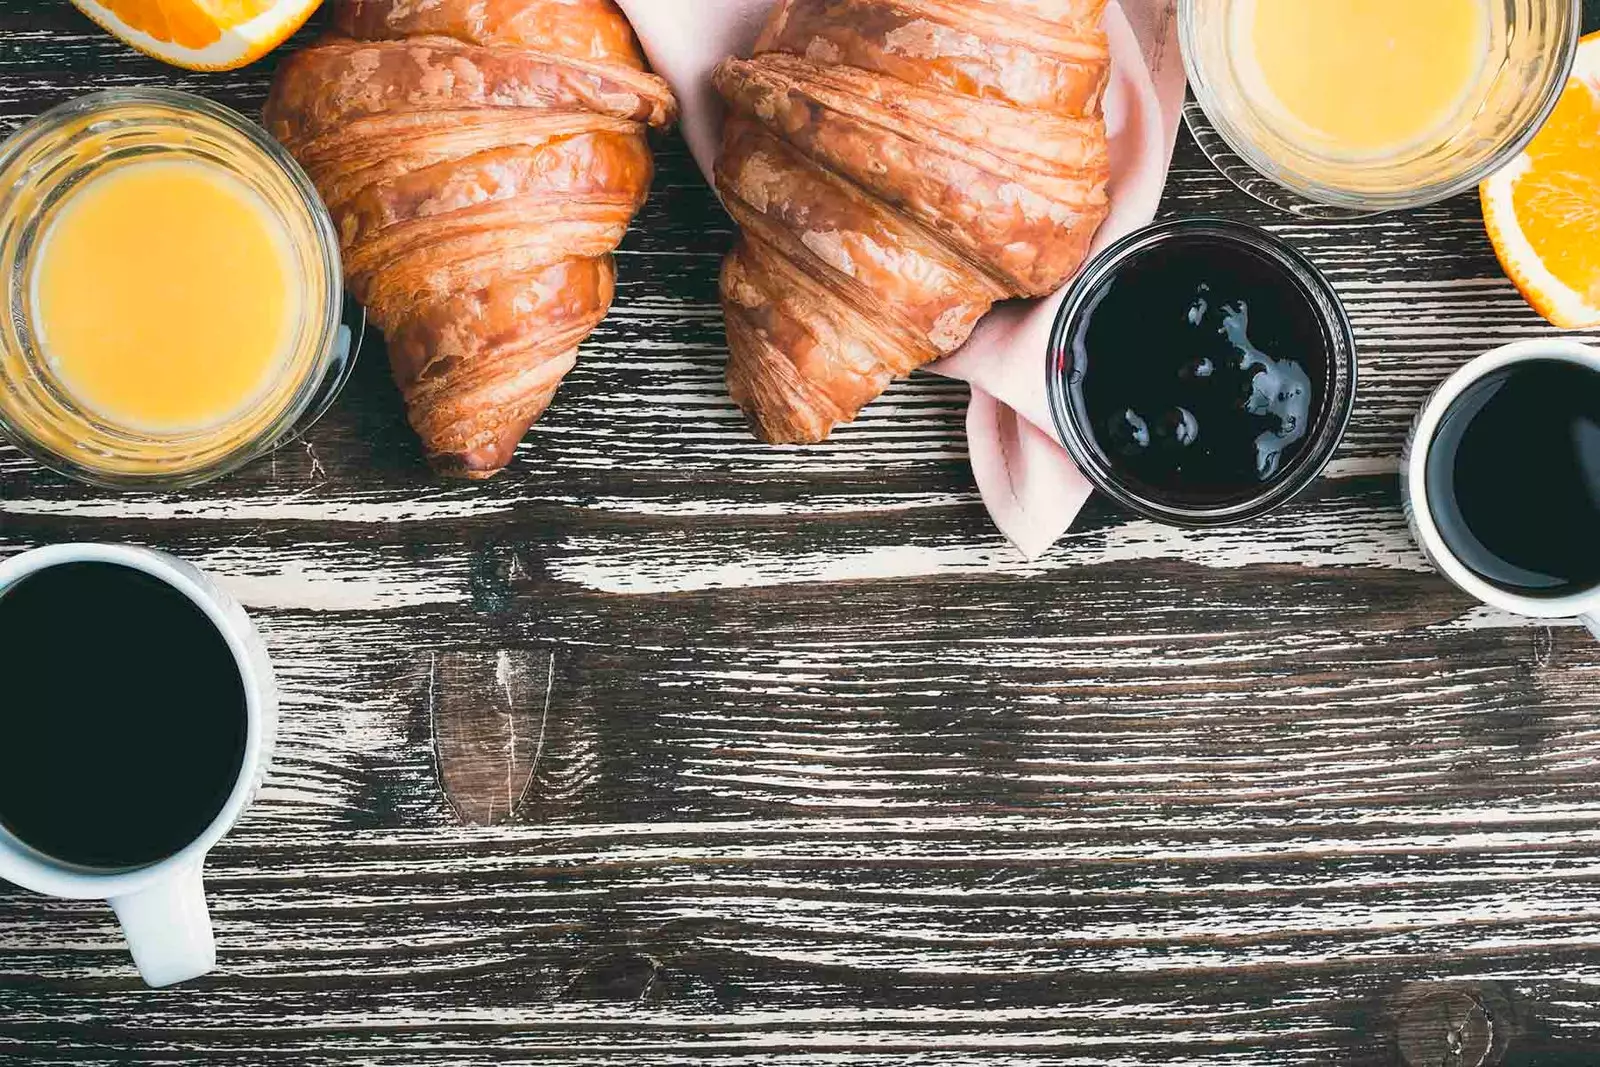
point(164, 295)
point(1362, 77)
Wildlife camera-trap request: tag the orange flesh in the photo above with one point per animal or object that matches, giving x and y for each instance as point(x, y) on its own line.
point(187, 23)
point(1557, 200)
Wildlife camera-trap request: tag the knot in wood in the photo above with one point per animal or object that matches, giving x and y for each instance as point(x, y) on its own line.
point(633, 977)
point(1451, 1026)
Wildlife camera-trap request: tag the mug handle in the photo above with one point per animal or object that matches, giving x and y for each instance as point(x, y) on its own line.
point(1592, 621)
point(169, 929)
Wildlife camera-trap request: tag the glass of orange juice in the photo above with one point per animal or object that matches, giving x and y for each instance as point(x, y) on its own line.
point(1329, 107)
point(174, 287)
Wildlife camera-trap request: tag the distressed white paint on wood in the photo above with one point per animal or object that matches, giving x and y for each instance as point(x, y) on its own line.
point(320, 576)
point(455, 505)
point(335, 577)
point(1335, 535)
point(830, 776)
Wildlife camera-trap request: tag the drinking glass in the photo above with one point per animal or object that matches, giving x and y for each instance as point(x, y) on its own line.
point(50, 157)
point(1532, 45)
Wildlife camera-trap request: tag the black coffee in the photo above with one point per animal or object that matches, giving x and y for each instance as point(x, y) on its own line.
point(1201, 366)
point(1513, 478)
point(122, 716)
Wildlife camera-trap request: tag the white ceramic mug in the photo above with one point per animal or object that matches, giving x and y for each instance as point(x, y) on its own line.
point(1414, 484)
point(162, 905)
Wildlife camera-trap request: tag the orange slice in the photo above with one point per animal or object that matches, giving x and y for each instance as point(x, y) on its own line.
point(1543, 209)
point(201, 34)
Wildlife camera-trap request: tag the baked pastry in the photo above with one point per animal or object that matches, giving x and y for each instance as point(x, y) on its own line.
point(481, 160)
point(896, 167)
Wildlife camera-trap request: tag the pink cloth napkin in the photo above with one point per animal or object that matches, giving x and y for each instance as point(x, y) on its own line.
point(1028, 481)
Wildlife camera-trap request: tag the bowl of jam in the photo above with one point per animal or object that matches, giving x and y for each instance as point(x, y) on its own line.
point(1201, 372)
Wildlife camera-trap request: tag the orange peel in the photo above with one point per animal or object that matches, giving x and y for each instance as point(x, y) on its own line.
point(201, 34)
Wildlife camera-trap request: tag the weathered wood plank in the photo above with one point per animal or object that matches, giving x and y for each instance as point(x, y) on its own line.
point(769, 935)
point(822, 771)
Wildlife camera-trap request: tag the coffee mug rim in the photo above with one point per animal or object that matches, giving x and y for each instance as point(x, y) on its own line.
point(1415, 471)
point(30, 868)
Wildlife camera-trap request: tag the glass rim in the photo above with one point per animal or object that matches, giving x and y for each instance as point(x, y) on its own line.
point(1378, 202)
point(1331, 425)
point(324, 342)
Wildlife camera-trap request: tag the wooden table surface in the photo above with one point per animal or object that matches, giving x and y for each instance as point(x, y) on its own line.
point(668, 747)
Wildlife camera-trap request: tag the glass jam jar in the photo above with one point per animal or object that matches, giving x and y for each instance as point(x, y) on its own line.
point(56, 154)
point(1201, 372)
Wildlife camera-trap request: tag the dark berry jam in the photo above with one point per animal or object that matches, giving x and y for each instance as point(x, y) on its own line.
point(1199, 369)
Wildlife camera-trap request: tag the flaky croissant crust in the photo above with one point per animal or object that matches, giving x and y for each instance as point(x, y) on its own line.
point(896, 167)
point(481, 160)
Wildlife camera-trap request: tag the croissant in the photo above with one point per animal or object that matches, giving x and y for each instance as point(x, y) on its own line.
point(481, 160)
point(896, 167)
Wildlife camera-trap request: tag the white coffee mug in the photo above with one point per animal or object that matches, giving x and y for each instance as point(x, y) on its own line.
point(1414, 484)
point(162, 905)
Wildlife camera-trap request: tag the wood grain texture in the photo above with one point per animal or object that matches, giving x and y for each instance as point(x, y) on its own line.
point(782, 756)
